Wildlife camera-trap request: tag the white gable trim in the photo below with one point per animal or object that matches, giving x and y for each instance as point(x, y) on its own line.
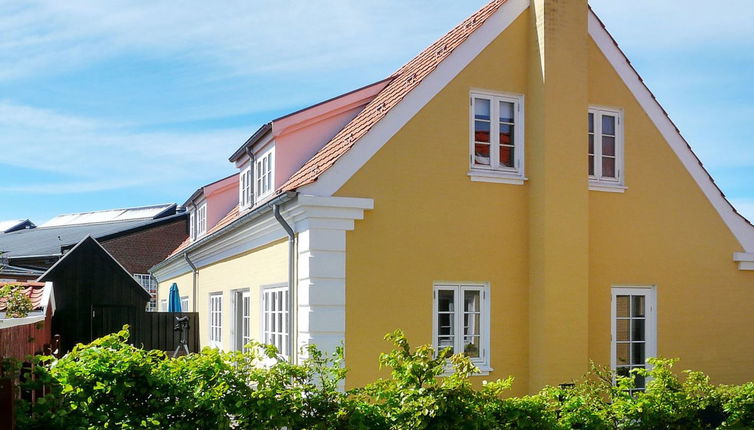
point(333, 178)
point(741, 229)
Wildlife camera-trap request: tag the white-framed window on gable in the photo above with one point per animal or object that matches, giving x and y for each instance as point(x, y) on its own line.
point(264, 174)
point(461, 321)
point(201, 220)
point(149, 283)
point(245, 187)
point(496, 138)
point(275, 318)
point(216, 320)
point(185, 304)
point(605, 149)
point(634, 330)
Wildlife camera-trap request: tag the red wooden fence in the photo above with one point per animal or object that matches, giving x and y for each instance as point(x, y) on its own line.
point(30, 339)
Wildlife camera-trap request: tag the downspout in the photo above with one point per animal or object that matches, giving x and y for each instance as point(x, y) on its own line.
point(194, 273)
point(292, 290)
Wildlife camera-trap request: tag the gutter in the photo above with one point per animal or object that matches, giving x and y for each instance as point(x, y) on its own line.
point(237, 223)
point(292, 284)
point(194, 273)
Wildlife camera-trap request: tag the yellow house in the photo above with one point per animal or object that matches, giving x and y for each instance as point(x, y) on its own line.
point(515, 192)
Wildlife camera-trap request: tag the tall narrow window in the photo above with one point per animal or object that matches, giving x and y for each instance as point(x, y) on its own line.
point(275, 318)
point(216, 320)
point(185, 304)
point(605, 149)
point(263, 174)
point(243, 319)
point(461, 320)
point(496, 136)
point(245, 187)
point(201, 220)
point(634, 337)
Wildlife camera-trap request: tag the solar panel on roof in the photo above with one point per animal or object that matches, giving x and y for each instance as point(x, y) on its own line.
point(106, 216)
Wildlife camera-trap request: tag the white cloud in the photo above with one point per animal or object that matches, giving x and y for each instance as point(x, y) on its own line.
point(84, 154)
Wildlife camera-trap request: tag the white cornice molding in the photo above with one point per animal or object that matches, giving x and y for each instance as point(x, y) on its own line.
point(745, 260)
point(338, 213)
point(741, 229)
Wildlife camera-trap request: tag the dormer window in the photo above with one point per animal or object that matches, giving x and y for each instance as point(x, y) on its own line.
point(198, 222)
point(263, 174)
point(245, 197)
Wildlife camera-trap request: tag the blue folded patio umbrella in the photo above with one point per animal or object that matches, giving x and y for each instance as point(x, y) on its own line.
point(174, 300)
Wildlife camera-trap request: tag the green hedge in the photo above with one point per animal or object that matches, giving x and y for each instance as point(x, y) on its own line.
point(109, 384)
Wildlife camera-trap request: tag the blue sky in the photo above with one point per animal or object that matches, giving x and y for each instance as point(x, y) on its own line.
point(126, 103)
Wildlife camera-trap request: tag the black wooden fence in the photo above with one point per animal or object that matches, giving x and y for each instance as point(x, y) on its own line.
point(149, 330)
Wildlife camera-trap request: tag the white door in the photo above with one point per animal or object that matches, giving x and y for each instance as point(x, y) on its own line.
point(634, 329)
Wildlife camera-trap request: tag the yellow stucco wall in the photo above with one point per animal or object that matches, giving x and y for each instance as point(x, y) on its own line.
point(252, 270)
point(432, 223)
point(663, 231)
point(457, 230)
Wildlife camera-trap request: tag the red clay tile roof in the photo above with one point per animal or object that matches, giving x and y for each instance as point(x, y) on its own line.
point(227, 219)
point(403, 81)
point(34, 290)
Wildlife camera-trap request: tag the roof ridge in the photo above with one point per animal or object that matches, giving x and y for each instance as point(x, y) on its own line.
point(404, 80)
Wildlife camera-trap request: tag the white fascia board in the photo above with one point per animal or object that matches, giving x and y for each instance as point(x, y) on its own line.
point(13, 322)
point(336, 213)
point(741, 229)
point(333, 178)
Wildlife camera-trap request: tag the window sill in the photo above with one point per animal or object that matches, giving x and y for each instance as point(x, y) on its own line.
point(609, 187)
point(497, 177)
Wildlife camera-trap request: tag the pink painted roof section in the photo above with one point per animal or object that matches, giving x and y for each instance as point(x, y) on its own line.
point(33, 290)
point(403, 81)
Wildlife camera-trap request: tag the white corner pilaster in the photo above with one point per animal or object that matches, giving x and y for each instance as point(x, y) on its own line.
point(321, 224)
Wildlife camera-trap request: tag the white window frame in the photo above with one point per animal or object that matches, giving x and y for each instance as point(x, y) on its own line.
point(246, 187)
point(185, 308)
point(596, 181)
point(650, 323)
point(201, 220)
point(241, 318)
point(270, 332)
point(215, 320)
point(494, 172)
point(483, 361)
point(163, 305)
point(264, 174)
point(149, 283)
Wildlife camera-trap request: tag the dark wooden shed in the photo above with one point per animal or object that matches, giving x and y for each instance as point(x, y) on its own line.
point(89, 284)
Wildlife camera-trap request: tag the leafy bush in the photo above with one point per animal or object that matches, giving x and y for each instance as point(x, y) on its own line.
point(18, 304)
point(110, 384)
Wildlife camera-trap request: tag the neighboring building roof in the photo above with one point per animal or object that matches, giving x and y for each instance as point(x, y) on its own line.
point(15, 224)
point(111, 215)
point(48, 241)
point(34, 290)
point(403, 81)
point(8, 270)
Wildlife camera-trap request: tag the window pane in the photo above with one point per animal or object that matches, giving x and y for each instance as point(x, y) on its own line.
point(608, 167)
point(591, 144)
point(621, 353)
point(471, 300)
point(481, 131)
point(639, 381)
point(445, 300)
point(623, 371)
point(444, 342)
point(622, 306)
point(637, 329)
point(591, 165)
point(608, 125)
point(608, 145)
point(471, 346)
point(637, 306)
point(506, 134)
point(506, 112)
point(591, 123)
point(621, 330)
point(506, 156)
point(482, 153)
point(471, 324)
point(445, 324)
point(482, 109)
point(637, 353)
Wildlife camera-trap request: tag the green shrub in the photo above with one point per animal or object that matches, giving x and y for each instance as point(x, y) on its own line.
point(18, 304)
point(110, 384)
